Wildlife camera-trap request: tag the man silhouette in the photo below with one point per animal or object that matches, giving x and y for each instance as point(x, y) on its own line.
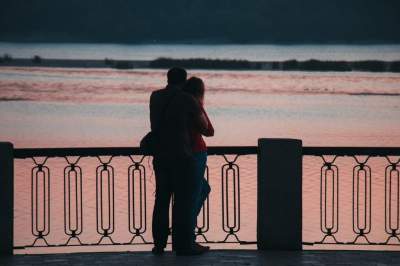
point(173, 113)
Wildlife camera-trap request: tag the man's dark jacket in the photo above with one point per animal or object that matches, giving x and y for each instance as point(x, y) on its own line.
point(173, 115)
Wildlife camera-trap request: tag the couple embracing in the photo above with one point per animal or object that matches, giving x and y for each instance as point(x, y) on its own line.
point(177, 115)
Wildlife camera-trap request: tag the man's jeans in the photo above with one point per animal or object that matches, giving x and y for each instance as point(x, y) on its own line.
point(175, 176)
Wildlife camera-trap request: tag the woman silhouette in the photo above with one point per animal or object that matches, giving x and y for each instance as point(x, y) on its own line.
point(195, 87)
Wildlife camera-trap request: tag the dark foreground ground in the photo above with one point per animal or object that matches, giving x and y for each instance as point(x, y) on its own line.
point(223, 257)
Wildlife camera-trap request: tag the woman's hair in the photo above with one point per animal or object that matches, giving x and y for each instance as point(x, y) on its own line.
point(195, 87)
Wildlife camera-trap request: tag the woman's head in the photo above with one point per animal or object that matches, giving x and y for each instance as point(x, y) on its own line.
point(195, 87)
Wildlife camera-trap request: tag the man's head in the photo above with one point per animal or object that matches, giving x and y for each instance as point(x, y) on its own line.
point(176, 76)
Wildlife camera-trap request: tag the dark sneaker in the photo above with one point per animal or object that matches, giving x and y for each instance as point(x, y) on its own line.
point(157, 251)
point(196, 249)
point(198, 246)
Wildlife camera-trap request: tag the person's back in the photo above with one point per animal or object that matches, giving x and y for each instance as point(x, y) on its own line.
point(174, 113)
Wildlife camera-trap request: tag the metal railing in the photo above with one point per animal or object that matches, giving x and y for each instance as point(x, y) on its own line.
point(362, 189)
point(105, 195)
point(329, 194)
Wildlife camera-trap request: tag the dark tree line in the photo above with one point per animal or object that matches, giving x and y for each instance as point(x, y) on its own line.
point(239, 21)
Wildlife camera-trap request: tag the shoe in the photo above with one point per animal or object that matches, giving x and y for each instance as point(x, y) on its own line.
point(157, 251)
point(198, 246)
point(196, 249)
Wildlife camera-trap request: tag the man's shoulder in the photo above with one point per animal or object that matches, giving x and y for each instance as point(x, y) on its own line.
point(157, 95)
point(158, 92)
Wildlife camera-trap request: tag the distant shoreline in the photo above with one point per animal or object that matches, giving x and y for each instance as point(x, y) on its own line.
point(212, 64)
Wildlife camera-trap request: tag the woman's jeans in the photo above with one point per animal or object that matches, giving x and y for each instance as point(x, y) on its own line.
point(203, 188)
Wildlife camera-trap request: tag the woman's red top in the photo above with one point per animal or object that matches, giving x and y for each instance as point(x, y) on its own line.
point(198, 142)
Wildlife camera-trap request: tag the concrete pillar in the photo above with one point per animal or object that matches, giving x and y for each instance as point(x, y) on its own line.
point(6, 198)
point(279, 209)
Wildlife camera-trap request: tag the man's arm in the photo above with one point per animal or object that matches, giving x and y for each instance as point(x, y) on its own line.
point(152, 112)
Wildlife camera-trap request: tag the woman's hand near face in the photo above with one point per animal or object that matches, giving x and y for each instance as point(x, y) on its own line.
point(201, 100)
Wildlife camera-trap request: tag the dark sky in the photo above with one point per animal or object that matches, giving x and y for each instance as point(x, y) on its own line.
point(237, 21)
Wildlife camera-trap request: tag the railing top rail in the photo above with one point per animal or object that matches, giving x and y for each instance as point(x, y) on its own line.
point(118, 151)
point(215, 150)
point(351, 151)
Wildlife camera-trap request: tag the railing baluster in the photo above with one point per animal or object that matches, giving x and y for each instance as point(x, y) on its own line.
point(392, 175)
point(73, 178)
point(105, 228)
point(227, 226)
point(137, 229)
point(40, 182)
point(361, 226)
point(329, 225)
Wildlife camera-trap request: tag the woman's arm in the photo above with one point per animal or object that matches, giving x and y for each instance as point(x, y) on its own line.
point(200, 122)
point(209, 131)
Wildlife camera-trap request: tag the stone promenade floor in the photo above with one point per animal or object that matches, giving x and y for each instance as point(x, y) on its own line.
point(217, 257)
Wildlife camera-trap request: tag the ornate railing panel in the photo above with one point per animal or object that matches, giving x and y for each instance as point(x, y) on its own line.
point(362, 189)
point(105, 204)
